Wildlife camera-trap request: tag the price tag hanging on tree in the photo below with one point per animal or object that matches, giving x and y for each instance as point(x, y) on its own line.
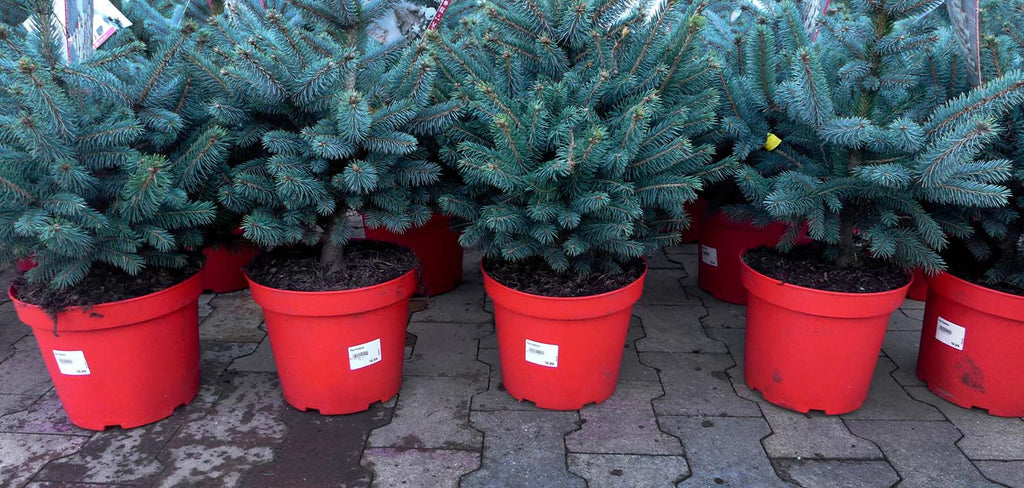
point(442, 7)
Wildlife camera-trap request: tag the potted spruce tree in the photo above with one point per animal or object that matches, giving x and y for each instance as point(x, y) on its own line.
point(337, 114)
point(113, 298)
point(578, 156)
point(878, 158)
point(973, 328)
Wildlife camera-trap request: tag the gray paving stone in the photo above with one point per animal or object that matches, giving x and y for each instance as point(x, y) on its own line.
point(235, 318)
point(495, 398)
point(464, 304)
point(812, 473)
point(662, 287)
point(923, 453)
point(795, 434)
point(630, 369)
point(1009, 473)
point(623, 424)
point(119, 456)
point(901, 347)
point(523, 449)
point(261, 360)
point(814, 435)
point(660, 260)
point(629, 471)
point(321, 450)
point(22, 455)
point(697, 384)
point(447, 350)
point(44, 416)
point(724, 451)
point(24, 372)
point(901, 320)
point(417, 467)
point(13, 403)
point(241, 430)
point(887, 400)
point(909, 304)
point(675, 329)
point(689, 248)
point(205, 309)
point(985, 436)
point(11, 329)
point(720, 315)
point(432, 413)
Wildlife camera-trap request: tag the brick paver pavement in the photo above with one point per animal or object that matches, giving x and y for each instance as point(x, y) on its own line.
point(681, 415)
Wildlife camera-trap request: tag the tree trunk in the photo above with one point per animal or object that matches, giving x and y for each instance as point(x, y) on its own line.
point(847, 247)
point(332, 255)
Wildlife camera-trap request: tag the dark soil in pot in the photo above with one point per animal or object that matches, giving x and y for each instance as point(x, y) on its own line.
point(807, 266)
point(103, 284)
point(963, 265)
point(367, 263)
point(535, 277)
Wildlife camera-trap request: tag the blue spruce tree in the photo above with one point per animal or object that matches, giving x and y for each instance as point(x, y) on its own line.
point(876, 138)
point(75, 188)
point(581, 141)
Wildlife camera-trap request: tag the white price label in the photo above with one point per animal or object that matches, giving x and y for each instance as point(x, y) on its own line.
point(364, 355)
point(71, 363)
point(709, 255)
point(542, 354)
point(950, 334)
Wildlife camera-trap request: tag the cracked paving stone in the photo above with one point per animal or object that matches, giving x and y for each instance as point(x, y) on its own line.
point(1009, 473)
point(902, 321)
point(887, 400)
point(985, 436)
point(204, 305)
point(446, 350)
point(495, 398)
point(321, 450)
point(24, 372)
point(837, 473)
point(13, 403)
point(119, 456)
point(796, 434)
point(432, 413)
point(241, 430)
point(697, 384)
point(22, 455)
point(433, 468)
point(630, 369)
point(901, 346)
point(629, 471)
point(720, 315)
point(923, 453)
point(235, 318)
point(214, 358)
point(909, 304)
point(662, 287)
point(623, 424)
point(44, 416)
point(464, 304)
point(660, 260)
point(523, 449)
point(675, 329)
point(724, 451)
point(917, 314)
point(11, 331)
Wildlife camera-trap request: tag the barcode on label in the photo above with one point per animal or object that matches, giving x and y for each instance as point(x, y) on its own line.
point(364, 355)
point(361, 354)
point(950, 334)
point(71, 363)
point(542, 354)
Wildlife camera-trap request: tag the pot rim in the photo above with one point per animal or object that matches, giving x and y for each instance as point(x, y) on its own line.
point(743, 263)
point(568, 299)
point(12, 294)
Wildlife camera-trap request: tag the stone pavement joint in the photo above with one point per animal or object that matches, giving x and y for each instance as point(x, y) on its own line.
point(524, 449)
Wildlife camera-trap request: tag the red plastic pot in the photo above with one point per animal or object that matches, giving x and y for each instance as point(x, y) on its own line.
point(222, 272)
point(918, 286)
point(561, 353)
point(695, 210)
point(809, 349)
point(721, 244)
point(125, 363)
point(971, 343)
point(437, 249)
point(26, 264)
point(338, 351)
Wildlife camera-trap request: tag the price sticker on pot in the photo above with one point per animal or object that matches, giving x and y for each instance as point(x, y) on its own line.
point(364, 355)
point(709, 255)
point(950, 334)
point(71, 363)
point(542, 354)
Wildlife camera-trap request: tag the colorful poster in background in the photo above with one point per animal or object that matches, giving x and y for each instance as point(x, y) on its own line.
point(106, 21)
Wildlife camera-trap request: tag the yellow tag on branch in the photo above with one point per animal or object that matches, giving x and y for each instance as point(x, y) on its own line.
point(772, 142)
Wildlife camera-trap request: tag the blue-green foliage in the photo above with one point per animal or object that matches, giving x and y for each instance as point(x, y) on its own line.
point(579, 145)
point(322, 119)
point(878, 136)
point(75, 189)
